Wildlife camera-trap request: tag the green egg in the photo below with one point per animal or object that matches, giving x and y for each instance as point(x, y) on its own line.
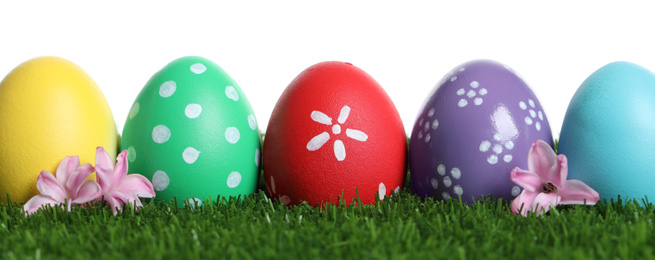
point(193, 133)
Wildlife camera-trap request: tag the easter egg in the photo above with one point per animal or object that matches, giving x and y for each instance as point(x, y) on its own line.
point(193, 133)
point(49, 109)
point(475, 127)
point(334, 132)
point(608, 133)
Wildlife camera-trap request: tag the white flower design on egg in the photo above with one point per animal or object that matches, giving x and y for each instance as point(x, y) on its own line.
point(319, 140)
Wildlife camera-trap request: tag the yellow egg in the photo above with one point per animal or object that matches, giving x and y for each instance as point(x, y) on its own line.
point(49, 109)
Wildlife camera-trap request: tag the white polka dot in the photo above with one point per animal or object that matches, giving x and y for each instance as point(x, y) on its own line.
point(231, 93)
point(252, 122)
point(134, 110)
point(462, 103)
point(445, 195)
point(456, 173)
point(538, 126)
point(427, 137)
point(427, 126)
point(131, 154)
point(198, 68)
point(161, 134)
point(516, 190)
point(483, 91)
point(453, 78)
point(498, 136)
point(232, 135)
point(431, 112)
point(475, 84)
point(167, 88)
point(397, 189)
point(435, 183)
point(541, 116)
point(285, 199)
point(458, 190)
point(273, 184)
point(435, 124)
point(461, 91)
point(507, 158)
point(190, 155)
point(447, 182)
point(531, 103)
point(192, 110)
point(523, 105)
point(498, 148)
point(509, 145)
point(462, 69)
point(194, 202)
point(233, 179)
point(160, 180)
point(484, 146)
point(441, 169)
point(420, 122)
point(471, 93)
point(528, 120)
point(420, 135)
point(257, 157)
point(492, 159)
point(477, 101)
point(382, 190)
point(533, 114)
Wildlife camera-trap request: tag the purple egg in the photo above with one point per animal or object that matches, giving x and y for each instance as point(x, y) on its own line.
point(476, 126)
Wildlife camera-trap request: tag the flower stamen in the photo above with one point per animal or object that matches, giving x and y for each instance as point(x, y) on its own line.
point(549, 187)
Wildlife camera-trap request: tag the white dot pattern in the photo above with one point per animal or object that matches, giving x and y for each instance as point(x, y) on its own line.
point(456, 173)
point(234, 179)
point(516, 190)
point(475, 84)
point(135, 110)
point(190, 155)
point(492, 159)
point(435, 124)
point(160, 180)
point(194, 202)
point(458, 190)
point(461, 91)
point(447, 182)
point(252, 122)
point(161, 134)
point(231, 93)
point(507, 158)
point(484, 146)
point(258, 157)
point(435, 183)
point(167, 89)
point(192, 110)
point(462, 103)
point(478, 101)
point(232, 135)
point(131, 154)
point(198, 68)
point(445, 195)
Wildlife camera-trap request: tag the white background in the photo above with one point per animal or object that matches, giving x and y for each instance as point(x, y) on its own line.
point(406, 46)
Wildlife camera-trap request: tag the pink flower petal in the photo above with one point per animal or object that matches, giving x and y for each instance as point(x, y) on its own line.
point(116, 205)
point(38, 201)
point(526, 179)
point(102, 157)
point(49, 186)
point(563, 167)
point(541, 160)
point(66, 167)
point(121, 169)
point(104, 175)
point(138, 185)
point(544, 201)
point(523, 201)
point(89, 191)
point(78, 177)
point(576, 192)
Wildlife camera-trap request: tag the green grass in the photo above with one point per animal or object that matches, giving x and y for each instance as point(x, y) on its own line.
point(401, 227)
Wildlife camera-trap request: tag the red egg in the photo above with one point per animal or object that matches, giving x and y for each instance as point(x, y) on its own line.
point(334, 131)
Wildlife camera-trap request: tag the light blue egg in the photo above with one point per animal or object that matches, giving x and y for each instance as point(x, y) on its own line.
point(608, 134)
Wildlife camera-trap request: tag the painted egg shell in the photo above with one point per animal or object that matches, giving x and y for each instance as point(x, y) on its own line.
point(472, 131)
point(608, 133)
point(193, 133)
point(49, 109)
point(334, 131)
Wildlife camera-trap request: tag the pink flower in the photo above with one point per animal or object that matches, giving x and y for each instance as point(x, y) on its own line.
point(70, 187)
point(545, 184)
point(118, 188)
